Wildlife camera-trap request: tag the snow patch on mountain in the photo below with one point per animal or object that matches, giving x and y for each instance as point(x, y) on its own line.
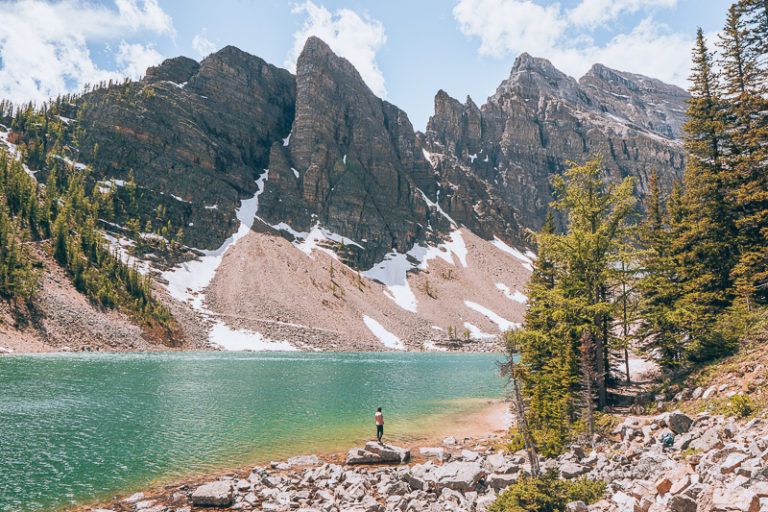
point(392, 272)
point(238, 339)
point(187, 281)
point(476, 333)
point(503, 323)
point(517, 296)
point(387, 339)
point(308, 241)
point(525, 258)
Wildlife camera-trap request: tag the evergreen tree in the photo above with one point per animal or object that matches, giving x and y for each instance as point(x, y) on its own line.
point(745, 89)
point(703, 245)
point(570, 299)
point(597, 215)
point(658, 285)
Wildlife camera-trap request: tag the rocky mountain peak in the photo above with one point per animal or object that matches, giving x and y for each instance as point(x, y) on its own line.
point(647, 102)
point(318, 59)
point(638, 84)
point(533, 78)
point(527, 62)
point(455, 126)
point(177, 70)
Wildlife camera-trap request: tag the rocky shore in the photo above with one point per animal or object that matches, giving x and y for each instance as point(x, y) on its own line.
point(714, 463)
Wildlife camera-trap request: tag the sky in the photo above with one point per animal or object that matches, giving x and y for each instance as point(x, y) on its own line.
point(405, 50)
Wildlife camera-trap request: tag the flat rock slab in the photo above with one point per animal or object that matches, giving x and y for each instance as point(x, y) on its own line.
point(213, 494)
point(459, 476)
point(376, 453)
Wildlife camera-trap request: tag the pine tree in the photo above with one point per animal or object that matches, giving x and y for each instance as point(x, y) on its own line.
point(597, 215)
point(703, 244)
point(659, 282)
point(745, 89)
point(569, 300)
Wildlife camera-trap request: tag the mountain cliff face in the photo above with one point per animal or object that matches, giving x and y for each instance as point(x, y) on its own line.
point(194, 136)
point(313, 213)
point(351, 164)
point(539, 119)
point(348, 166)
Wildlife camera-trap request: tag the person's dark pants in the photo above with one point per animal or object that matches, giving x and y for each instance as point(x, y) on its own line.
point(379, 432)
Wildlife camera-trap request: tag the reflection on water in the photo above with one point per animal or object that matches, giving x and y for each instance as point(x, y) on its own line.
point(77, 427)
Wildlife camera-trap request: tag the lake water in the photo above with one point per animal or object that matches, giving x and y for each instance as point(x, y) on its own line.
point(74, 428)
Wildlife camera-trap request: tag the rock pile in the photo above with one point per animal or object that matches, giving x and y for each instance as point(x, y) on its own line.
point(714, 464)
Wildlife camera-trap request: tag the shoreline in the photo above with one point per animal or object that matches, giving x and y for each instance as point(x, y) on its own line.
point(482, 427)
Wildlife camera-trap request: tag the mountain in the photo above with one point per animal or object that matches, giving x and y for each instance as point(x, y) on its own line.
point(539, 119)
point(304, 209)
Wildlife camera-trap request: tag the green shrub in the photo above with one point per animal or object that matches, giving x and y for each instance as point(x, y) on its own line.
point(740, 406)
point(514, 441)
point(547, 494)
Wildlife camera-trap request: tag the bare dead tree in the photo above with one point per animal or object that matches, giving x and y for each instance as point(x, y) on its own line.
point(511, 369)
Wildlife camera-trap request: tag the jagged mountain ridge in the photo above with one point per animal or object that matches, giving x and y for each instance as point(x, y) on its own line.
point(539, 119)
point(197, 136)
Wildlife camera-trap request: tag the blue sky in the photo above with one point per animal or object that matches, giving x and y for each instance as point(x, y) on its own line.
point(405, 50)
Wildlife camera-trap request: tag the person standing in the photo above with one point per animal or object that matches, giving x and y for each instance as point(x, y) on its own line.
point(379, 417)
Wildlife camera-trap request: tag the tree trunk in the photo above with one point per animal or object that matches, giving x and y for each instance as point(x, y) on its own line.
point(586, 383)
point(625, 325)
point(522, 426)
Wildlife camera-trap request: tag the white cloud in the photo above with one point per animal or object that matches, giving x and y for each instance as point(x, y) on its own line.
point(202, 45)
point(44, 45)
point(505, 26)
point(595, 12)
point(351, 36)
point(565, 36)
point(134, 59)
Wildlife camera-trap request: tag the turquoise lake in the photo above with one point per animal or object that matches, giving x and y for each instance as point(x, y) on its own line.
point(80, 427)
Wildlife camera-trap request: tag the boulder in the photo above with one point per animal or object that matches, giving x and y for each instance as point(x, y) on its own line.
point(679, 423)
point(133, 498)
point(682, 503)
point(470, 455)
point(732, 462)
point(459, 476)
point(375, 453)
point(708, 441)
point(572, 470)
point(663, 486)
point(213, 494)
point(680, 485)
point(304, 460)
point(576, 506)
point(421, 476)
point(500, 481)
point(438, 453)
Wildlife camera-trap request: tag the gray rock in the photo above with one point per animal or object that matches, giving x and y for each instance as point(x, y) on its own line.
point(732, 462)
point(213, 494)
point(500, 481)
point(679, 423)
point(304, 460)
point(576, 506)
point(375, 453)
point(572, 470)
point(459, 476)
point(133, 498)
point(470, 455)
point(438, 453)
